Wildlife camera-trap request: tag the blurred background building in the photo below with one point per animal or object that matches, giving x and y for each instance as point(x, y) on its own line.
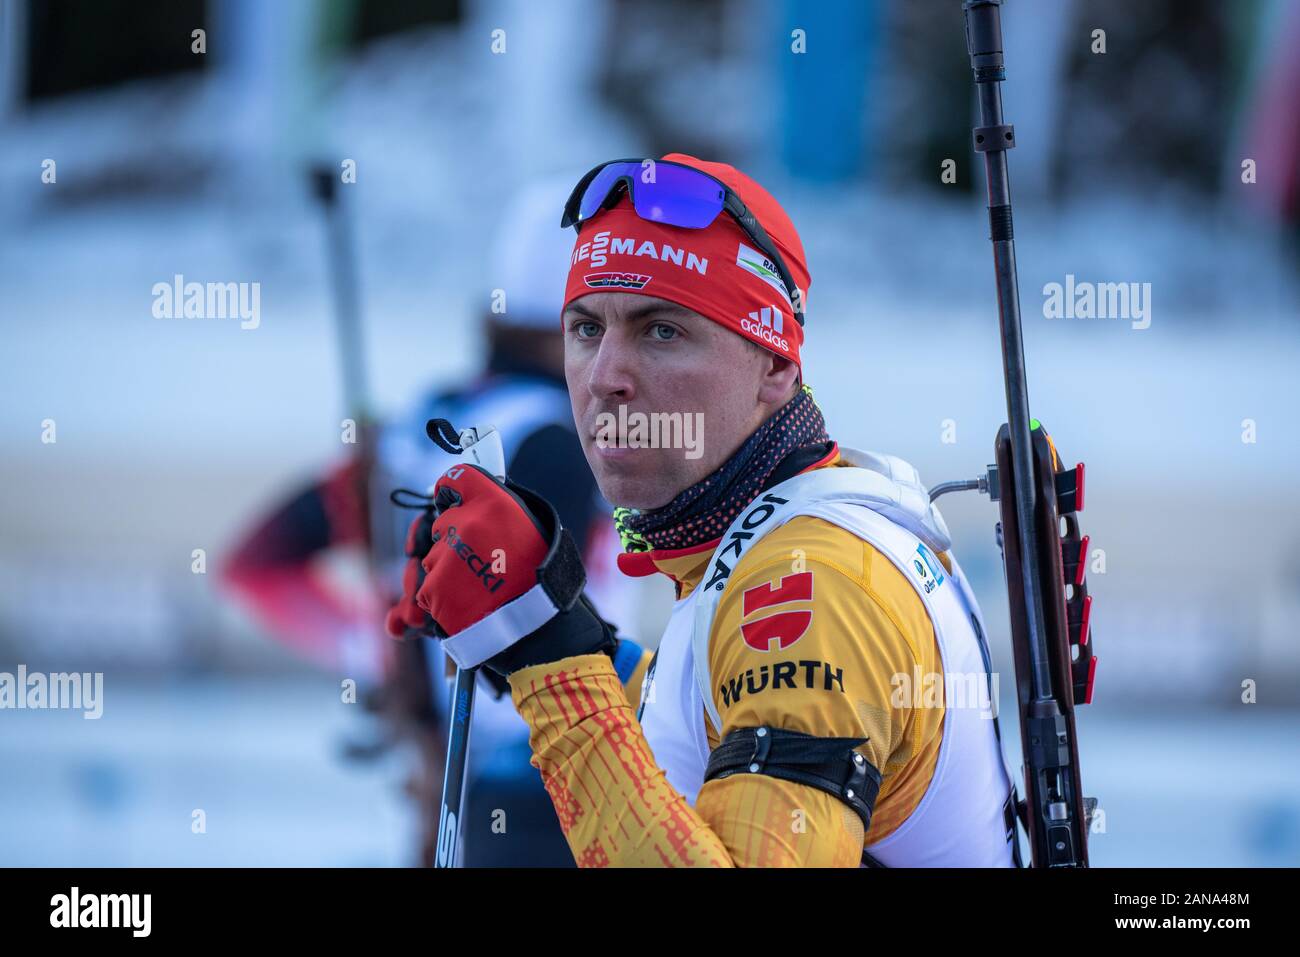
point(127, 158)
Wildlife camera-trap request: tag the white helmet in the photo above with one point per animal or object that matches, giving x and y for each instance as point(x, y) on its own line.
point(530, 255)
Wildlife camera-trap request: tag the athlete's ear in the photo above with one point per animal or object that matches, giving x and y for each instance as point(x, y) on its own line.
point(780, 376)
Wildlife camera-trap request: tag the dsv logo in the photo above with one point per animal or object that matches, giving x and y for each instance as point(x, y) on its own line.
point(783, 626)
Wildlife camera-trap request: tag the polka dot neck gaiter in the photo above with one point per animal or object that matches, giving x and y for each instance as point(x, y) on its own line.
point(703, 512)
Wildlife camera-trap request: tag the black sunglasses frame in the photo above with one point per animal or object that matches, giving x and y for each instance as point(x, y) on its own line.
point(731, 203)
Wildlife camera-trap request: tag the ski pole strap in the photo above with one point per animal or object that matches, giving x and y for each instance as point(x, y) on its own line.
point(828, 764)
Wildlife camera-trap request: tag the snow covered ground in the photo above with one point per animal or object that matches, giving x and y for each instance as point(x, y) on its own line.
point(260, 757)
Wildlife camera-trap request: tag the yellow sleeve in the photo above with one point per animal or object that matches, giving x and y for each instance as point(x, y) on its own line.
point(614, 803)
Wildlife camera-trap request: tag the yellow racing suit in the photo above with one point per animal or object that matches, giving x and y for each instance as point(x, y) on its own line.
point(836, 679)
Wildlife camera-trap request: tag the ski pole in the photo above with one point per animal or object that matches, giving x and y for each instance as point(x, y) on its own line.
point(450, 820)
point(478, 446)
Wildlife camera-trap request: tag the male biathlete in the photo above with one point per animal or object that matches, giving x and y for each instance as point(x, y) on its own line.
point(779, 721)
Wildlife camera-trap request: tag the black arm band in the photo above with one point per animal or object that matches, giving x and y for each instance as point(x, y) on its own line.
point(828, 764)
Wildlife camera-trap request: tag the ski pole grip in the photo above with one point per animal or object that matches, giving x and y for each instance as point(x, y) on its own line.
point(984, 39)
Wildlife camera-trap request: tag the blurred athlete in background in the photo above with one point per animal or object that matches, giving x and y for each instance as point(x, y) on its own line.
point(275, 569)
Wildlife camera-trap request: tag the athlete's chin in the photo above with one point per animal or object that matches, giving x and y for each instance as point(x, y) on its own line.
point(633, 478)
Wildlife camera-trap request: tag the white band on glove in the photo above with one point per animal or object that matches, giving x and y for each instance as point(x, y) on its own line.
point(490, 636)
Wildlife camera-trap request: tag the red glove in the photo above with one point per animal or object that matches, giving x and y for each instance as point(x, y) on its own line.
point(495, 576)
point(406, 617)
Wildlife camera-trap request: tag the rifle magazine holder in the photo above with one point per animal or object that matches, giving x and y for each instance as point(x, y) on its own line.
point(1062, 552)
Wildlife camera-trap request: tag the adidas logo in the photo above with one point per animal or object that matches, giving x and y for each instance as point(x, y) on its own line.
point(768, 316)
point(767, 324)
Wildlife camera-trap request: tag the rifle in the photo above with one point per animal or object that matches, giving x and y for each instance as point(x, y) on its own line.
point(1044, 566)
point(404, 695)
point(341, 264)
